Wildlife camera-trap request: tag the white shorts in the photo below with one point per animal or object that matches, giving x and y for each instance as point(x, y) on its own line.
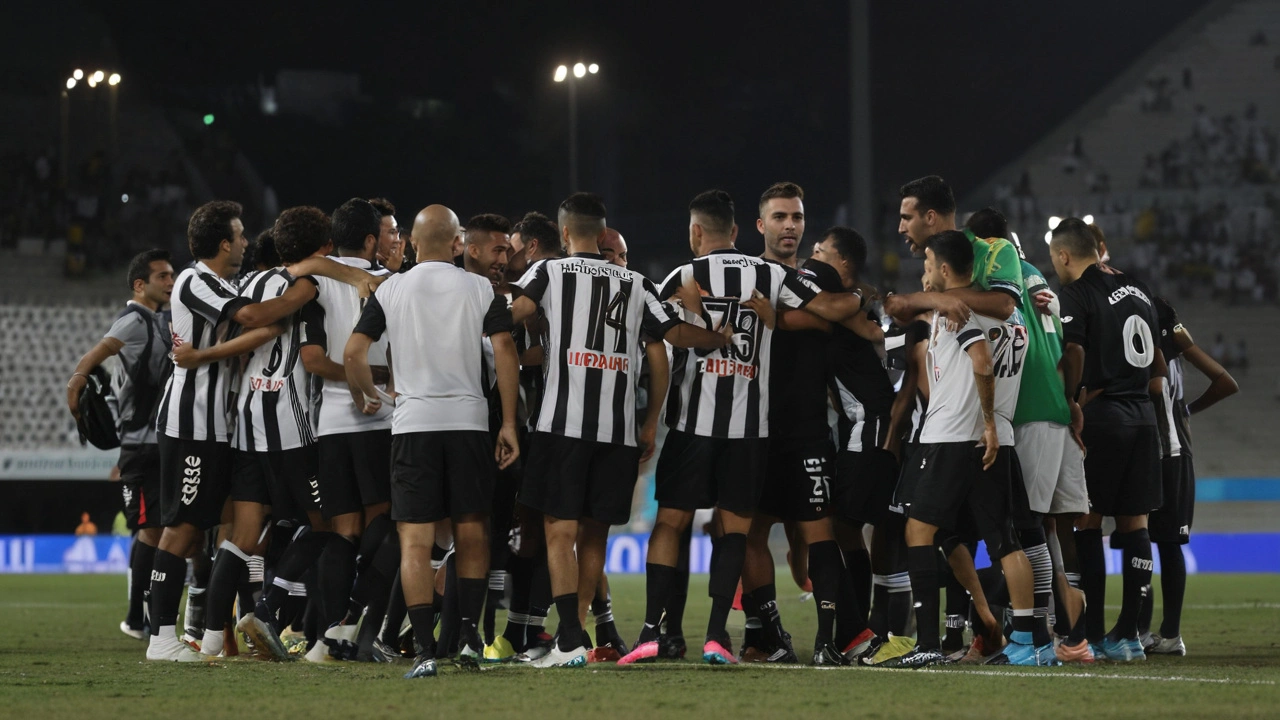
point(1052, 468)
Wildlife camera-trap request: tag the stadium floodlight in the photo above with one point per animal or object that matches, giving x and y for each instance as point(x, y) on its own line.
point(562, 72)
point(92, 82)
point(98, 76)
point(579, 70)
point(71, 82)
point(124, 198)
point(1088, 219)
point(114, 79)
point(1048, 237)
point(1053, 221)
point(78, 74)
point(593, 68)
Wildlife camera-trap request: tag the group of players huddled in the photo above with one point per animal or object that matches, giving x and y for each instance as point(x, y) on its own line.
point(359, 448)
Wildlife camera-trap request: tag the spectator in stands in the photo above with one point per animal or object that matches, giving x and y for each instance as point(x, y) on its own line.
point(86, 526)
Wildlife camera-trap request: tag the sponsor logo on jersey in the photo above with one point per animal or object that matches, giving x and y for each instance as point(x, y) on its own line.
point(727, 368)
point(1066, 319)
point(601, 361)
point(191, 480)
point(264, 384)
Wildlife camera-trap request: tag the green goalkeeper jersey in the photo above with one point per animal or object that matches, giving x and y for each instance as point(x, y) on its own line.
point(1040, 399)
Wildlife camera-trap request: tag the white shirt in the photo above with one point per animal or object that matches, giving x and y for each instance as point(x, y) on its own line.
point(435, 317)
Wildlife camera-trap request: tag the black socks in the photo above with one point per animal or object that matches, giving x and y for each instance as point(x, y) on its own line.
point(922, 566)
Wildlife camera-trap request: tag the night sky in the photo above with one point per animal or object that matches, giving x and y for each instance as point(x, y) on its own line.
point(690, 95)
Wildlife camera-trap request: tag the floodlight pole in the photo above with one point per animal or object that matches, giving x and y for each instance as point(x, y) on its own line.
point(573, 135)
point(860, 190)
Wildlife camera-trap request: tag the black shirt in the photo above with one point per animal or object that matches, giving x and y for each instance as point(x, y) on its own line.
point(1112, 317)
point(798, 387)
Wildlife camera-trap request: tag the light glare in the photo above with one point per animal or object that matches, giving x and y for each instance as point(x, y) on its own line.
point(1048, 237)
point(561, 73)
point(1088, 219)
point(593, 68)
point(78, 74)
point(1053, 221)
point(579, 70)
point(71, 82)
point(114, 79)
point(98, 76)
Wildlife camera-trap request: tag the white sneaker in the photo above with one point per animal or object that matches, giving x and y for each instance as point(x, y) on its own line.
point(170, 650)
point(1167, 646)
point(319, 653)
point(138, 634)
point(576, 657)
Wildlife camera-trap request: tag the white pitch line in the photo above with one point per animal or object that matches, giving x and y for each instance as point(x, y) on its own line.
point(952, 671)
point(1226, 606)
point(1148, 678)
point(53, 605)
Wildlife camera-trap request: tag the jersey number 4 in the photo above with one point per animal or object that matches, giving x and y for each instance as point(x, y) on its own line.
point(610, 314)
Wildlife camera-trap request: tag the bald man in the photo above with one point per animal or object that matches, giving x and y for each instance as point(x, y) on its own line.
point(444, 462)
point(614, 247)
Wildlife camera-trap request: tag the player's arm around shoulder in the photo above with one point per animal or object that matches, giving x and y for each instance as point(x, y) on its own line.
point(1221, 384)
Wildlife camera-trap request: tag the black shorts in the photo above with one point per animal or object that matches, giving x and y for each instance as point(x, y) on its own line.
point(1172, 522)
point(438, 475)
point(797, 484)
point(1122, 468)
point(569, 478)
point(194, 481)
point(355, 471)
point(283, 479)
point(140, 485)
point(864, 485)
point(700, 472)
point(908, 477)
point(954, 493)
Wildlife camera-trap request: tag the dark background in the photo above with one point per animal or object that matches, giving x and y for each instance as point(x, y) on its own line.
point(690, 95)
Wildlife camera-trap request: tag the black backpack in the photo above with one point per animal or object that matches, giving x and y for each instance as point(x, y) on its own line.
point(97, 423)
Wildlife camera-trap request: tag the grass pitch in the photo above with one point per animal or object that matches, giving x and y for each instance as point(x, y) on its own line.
point(61, 655)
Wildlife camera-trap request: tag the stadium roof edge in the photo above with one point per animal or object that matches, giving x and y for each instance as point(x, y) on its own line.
point(1114, 90)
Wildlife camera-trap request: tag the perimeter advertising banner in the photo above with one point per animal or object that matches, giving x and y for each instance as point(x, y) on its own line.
point(71, 464)
point(68, 554)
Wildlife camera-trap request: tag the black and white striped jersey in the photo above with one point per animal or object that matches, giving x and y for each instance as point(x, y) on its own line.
point(195, 401)
point(596, 313)
point(724, 393)
point(327, 322)
point(271, 400)
point(435, 318)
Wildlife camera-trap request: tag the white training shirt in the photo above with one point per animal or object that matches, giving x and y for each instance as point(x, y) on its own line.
point(328, 322)
point(435, 317)
point(954, 413)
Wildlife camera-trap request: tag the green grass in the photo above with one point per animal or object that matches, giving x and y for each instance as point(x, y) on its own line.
point(61, 655)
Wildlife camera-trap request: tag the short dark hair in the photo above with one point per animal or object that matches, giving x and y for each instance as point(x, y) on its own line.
point(715, 206)
point(210, 224)
point(781, 190)
point(1074, 236)
point(534, 225)
point(988, 223)
point(953, 248)
point(353, 221)
point(383, 206)
point(931, 193)
point(140, 265)
point(300, 231)
point(583, 214)
point(850, 244)
point(263, 251)
point(489, 222)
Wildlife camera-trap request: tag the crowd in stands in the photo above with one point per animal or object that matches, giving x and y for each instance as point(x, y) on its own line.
point(104, 216)
point(1223, 151)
